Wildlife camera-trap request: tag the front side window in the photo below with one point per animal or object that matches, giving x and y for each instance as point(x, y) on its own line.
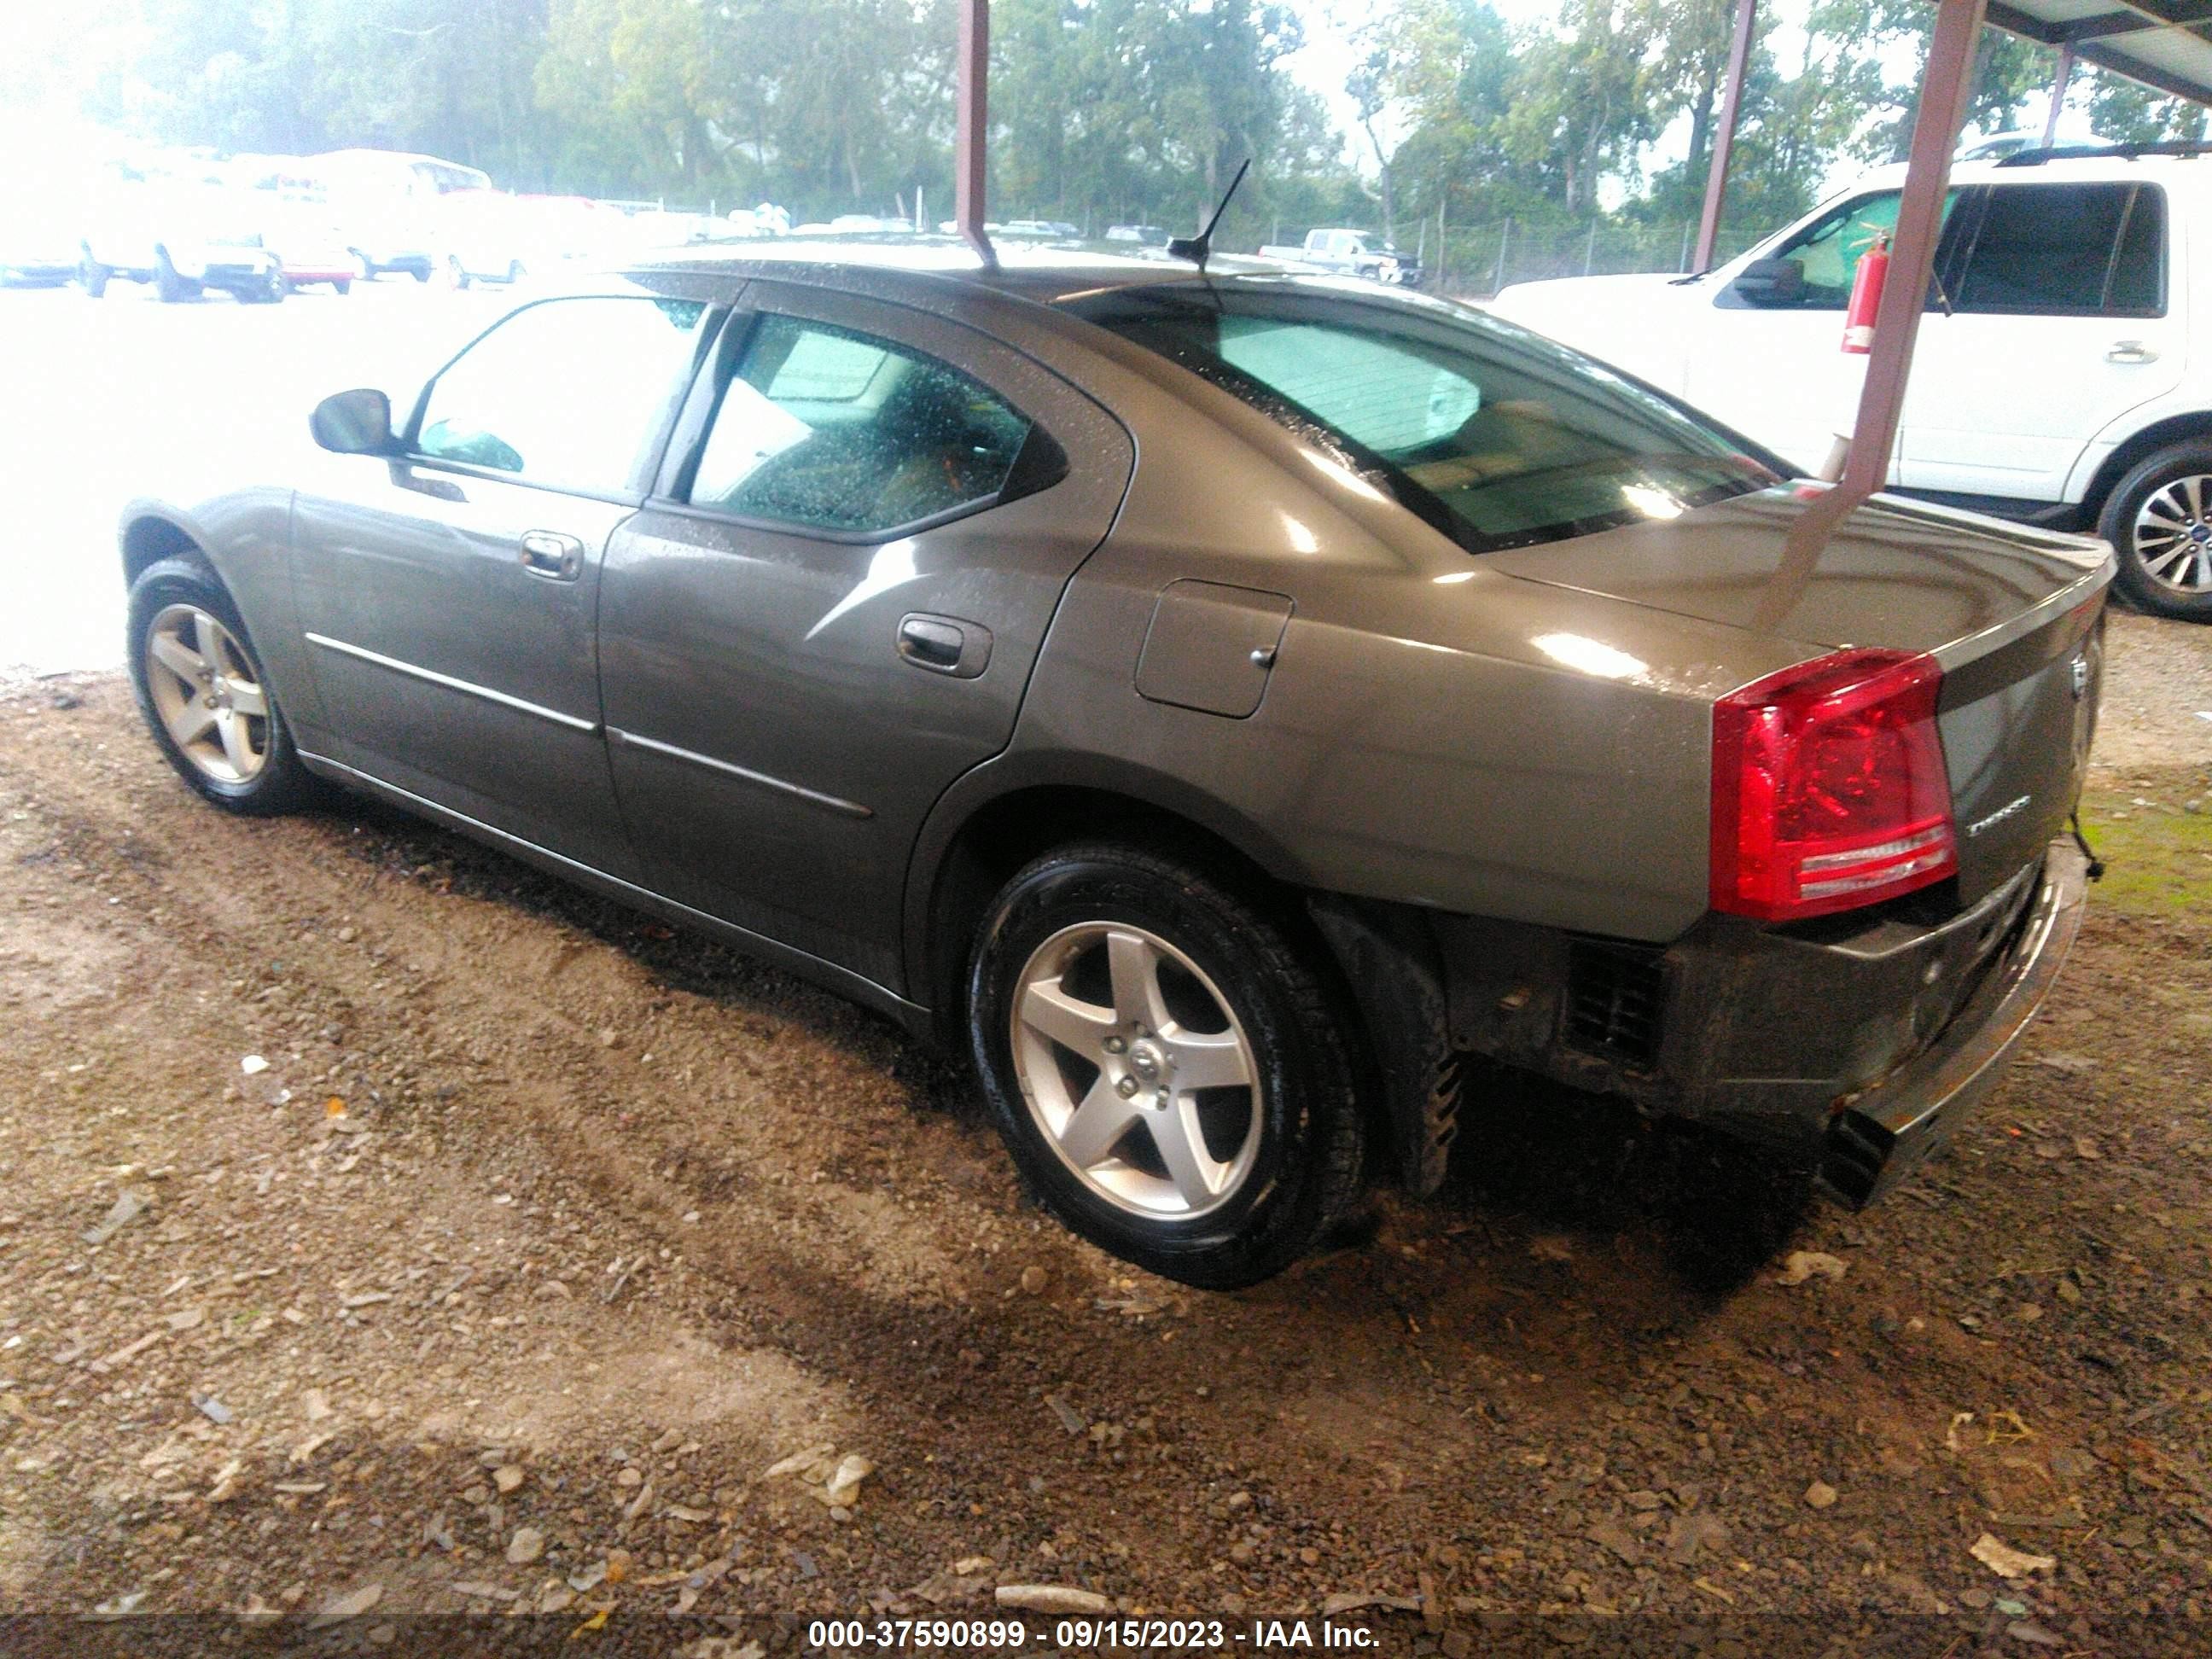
point(2093, 250)
point(1497, 436)
point(1828, 249)
point(829, 429)
point(567, 394)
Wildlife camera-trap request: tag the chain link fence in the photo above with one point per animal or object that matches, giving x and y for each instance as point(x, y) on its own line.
point(1475, 261)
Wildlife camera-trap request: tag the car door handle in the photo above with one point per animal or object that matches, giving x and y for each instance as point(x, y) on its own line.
point(944, 645)
point(550, 554)
point(2131, 351)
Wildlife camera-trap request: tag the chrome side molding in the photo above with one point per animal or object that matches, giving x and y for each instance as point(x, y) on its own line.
point(467, 688)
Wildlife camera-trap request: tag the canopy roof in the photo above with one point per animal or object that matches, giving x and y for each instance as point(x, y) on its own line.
point(2165, 44)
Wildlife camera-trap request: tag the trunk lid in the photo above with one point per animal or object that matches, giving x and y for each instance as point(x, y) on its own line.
point(2014, 616)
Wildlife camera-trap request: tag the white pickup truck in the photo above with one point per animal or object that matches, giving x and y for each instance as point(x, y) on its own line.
point(1352, 253)
point(2055, 380)
point(181, 238)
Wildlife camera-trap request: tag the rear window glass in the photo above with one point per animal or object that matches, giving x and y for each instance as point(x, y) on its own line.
point(1495, 435)
point(2082, 250)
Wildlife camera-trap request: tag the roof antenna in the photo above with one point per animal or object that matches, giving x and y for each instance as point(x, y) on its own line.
point(1197, 249)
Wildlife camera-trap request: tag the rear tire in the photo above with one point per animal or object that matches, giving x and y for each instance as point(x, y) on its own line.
point(2159, 519)
point(1152, 973)
point(181, 622)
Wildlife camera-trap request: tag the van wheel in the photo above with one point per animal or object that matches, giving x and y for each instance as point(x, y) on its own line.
point(1166, 1067)
point(2159, 519)
point(203, 695)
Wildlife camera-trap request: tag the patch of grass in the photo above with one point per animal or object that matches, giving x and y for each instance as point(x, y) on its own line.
point(2158, 857)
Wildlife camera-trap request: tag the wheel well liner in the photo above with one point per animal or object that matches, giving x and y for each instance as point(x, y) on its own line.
point(151, 537)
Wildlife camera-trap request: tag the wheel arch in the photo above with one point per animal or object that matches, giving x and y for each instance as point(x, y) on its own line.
point(2131, 452)
point(148, 533)
point(1389, 983)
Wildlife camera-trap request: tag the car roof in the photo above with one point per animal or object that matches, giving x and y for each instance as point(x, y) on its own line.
point(1034, 273)
point(2056, 169)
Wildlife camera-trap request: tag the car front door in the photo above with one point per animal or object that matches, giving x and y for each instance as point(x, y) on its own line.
point(448, 594)
point(830, 610)
point(1773, 367)
point(2059, 324)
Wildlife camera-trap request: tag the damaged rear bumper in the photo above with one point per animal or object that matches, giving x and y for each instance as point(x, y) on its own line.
point(1853, 1046)
point(1884, 1132)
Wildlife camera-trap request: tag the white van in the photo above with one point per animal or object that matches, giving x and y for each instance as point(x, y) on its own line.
point(2054, 380)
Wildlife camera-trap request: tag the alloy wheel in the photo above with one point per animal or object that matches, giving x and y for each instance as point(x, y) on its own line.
point(208, 694)
point(1136, 1070)
point(2173, 534)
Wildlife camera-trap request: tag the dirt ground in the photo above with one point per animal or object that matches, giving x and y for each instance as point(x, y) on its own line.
point(386, 1228)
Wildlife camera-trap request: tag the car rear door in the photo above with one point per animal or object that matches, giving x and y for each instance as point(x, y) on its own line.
point(2059, 322)
point(831, 610)
point(448, 596)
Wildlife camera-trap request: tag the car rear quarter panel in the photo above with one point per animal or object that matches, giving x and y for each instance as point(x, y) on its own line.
point(1432, 730)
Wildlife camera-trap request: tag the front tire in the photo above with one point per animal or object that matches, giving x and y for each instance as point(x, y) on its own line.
point(2159, 518)
point(169, 286)
point(1168, 1069)
point(203, 695)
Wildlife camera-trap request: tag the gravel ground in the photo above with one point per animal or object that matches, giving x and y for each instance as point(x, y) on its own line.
point(382, 1216)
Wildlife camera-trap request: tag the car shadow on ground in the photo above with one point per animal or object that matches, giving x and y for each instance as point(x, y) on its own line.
point(1554, 1159)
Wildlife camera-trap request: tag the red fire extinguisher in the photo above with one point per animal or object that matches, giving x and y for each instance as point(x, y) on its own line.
point(1866, 295)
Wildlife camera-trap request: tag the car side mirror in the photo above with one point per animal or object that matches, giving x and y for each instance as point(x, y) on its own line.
point(357, 423)
point(1770, 282)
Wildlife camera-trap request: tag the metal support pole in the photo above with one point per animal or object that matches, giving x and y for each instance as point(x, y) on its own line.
point(1709, 222)
point(2057, 94)
point(1943, 93)
point(971, 127)
point(1944, 87)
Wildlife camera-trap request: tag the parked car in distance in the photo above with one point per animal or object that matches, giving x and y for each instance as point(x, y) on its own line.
point(1351, 253)
point(1143, 235)
point(39, 240)
point(180, 238)
point(309, 249)
point(1225, 705)
point(1039, 230)
point(2055, 379)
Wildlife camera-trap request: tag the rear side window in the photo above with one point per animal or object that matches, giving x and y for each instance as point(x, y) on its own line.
point(826, 428)
point(568, 394)
point(1496, 436)
point(2095, 250)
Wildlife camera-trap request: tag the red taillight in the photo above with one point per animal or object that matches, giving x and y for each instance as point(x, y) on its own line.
point(1829, 788)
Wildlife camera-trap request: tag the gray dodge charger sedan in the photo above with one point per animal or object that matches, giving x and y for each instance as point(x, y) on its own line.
point(1242, 709)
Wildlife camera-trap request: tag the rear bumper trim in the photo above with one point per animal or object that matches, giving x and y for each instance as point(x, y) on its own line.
point(1885, 1132)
